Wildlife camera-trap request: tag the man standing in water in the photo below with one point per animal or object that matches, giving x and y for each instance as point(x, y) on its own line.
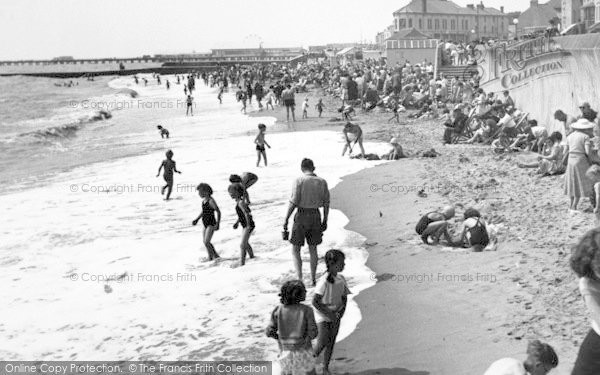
point(309, 193)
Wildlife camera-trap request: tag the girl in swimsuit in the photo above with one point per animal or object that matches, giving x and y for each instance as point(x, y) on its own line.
point(236, 191)
point(210, 222)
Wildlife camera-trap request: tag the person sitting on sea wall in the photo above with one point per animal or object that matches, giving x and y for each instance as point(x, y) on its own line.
point(541, 359)
point(434, 225)
point(474, 232)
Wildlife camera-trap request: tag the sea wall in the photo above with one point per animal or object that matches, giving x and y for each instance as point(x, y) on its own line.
point(545, 74)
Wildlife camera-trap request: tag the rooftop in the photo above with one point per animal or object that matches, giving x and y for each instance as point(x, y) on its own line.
point(447, 7)
point(538, 15)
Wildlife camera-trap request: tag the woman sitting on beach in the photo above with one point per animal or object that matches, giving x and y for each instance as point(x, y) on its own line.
point(434, 225)
point(474, 233)
point(551, 161)
point(541, 359)
point(395, 153)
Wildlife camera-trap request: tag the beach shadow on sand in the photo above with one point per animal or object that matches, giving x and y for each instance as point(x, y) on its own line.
point(388, 371)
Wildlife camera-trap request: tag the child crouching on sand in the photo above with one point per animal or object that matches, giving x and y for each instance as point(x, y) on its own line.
point(541, 359)
point(474, 232)
point(236, 191)
point(293, 325)
point(434, 225)
point(331, 296)
point(211, 224)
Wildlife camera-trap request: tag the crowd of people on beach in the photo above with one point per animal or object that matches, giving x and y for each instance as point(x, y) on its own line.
point(469, 115)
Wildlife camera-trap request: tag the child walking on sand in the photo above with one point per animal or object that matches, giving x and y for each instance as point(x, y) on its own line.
point(169, 165)
point(237, 191)
point(320, 107)
point(260, 144)
point(293, 325)
point(331, 296)
point(305, 108)
point(211, 224)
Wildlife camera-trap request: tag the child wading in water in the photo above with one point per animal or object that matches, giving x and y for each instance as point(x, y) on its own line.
point(305, 108)
point(331, 295)
point(260, 144)
point(169, 165)
point(237, 192)
point(293, 325)
point(211, 224)
point(320, 107)
point(164, 133)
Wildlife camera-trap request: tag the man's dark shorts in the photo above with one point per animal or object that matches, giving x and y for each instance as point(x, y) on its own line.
point(307, 225)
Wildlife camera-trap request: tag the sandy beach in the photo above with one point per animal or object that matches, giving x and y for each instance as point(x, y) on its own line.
point(437, 310)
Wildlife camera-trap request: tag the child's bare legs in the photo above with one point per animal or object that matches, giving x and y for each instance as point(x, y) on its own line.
point(320, 112)
point(208, 233)
point(328, 332)
point(258, 155)
point(169, 187)
point(264, 155)
point(245, 246)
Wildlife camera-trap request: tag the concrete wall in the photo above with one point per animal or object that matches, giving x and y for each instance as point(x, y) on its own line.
point(544, 75)
point(413, 55)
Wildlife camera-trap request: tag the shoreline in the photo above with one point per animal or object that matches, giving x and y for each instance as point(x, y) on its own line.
point(417, 318)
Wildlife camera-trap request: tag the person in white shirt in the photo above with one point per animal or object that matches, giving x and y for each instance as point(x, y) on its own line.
point(541, 359)
point(585, 262)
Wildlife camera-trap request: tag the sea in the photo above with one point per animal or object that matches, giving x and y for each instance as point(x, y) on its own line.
point(96, 265)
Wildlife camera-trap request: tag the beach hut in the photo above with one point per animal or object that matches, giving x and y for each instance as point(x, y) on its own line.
point(347, 55)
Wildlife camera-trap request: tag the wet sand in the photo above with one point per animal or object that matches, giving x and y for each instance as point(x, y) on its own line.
point(437, 310)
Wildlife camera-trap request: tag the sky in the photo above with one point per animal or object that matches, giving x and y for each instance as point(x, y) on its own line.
point(43, 29)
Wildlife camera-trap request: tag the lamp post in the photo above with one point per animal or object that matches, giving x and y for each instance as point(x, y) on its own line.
point(516, 23)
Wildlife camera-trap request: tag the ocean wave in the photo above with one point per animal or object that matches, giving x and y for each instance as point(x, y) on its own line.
point(64, 131)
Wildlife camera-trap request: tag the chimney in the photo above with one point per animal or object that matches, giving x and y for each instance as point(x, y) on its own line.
point(502, 9)
point(534, 3)
point(424, 2)
point(471, 6)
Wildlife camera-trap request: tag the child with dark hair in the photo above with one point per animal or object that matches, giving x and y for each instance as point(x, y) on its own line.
point(247, 179)
point(261, 143)
point(237, 191)
point(211, 224)
point(585, 262)
point(164, 133)
point(474, 232)
point(169, 165)
point(434, 225)
point(320, 107)
point(541, 359)
point(293, 325)
point(331, 296)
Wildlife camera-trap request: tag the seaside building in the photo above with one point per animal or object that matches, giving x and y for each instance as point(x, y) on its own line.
point(538, 16)
point(410, 45)
point(444, 19)
point(590, 12)
point(570, 12)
